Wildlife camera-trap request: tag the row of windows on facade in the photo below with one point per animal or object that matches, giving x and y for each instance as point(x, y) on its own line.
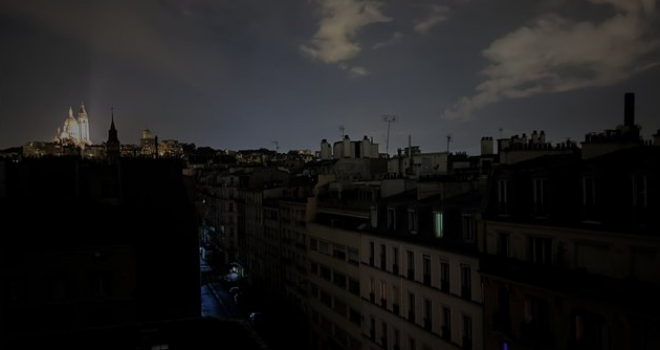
point(338, 251)
point(540, 191)
point(587, 328)
point(427, 268)
point(468, 223)
point(445, 331)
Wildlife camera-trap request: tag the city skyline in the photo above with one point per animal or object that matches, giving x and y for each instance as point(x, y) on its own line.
point(234, 75)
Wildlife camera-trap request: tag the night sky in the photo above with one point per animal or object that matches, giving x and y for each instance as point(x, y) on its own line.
point(242, 74)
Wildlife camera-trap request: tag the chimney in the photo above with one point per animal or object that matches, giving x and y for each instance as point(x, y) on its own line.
point(629, 110)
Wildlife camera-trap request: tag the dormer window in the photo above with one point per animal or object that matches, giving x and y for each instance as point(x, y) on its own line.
point(391, 219)
point(468, 228)
point(589, 198)
point(412, 221)
point(639, 191)
point(503, 196)
point(539, 196)
point(438, 224)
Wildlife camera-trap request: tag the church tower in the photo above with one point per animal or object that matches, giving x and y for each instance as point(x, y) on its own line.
point(112, 145)
point(71, 132)
point(84, 139)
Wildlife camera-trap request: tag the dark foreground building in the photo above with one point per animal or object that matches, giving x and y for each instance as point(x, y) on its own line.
point(93, 250)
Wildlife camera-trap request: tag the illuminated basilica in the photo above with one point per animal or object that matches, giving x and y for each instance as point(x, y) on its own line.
point(75, 131)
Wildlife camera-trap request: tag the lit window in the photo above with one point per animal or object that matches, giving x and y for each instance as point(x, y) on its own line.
point(438, 224)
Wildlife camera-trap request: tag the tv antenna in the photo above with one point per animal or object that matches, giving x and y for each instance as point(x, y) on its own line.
point(449, 136)
point(277, 146)
point(389, 119)
point(342, 131)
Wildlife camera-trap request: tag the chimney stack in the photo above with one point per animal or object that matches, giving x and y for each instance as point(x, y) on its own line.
point(629, 110)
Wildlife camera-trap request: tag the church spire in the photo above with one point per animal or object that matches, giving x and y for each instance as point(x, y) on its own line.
point(112, 146)
point(70, 111)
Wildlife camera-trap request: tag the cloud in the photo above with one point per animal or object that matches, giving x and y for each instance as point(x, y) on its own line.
point(358, 71)
point(438, 14)
point(396, 38)
point(556, 54)
point(341, 20)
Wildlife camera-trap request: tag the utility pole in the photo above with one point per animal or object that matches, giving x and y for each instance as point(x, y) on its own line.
point(389, 119)
point(448, 141)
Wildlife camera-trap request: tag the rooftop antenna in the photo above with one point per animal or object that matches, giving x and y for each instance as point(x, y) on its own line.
point(389, 119)
point(449, 136)
point(277, 146)
point(342, 131)
point(500, 129)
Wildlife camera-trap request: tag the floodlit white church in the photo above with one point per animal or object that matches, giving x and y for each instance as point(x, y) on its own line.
point(75, 131)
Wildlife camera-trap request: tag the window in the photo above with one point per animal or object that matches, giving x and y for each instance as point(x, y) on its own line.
point(503, 244)
point(354, 286)
point(444, 276)
point(411, 307)
point(438, 224)
point(411, 264)
point(324, 247)
point(325, 273)
point(397, 338)
point(468, 228)
point(589, 197)
point(391, 219)
point(314, 268)
point(383, 257)
point(503, 196)
point(372, 253)
point(426, 269)
point(446, 323)
point(313, 243)
point(538, 196)
point(412, 221)
point(395, 260)
point(383, 335)
point(467, 332)
point(639, 186)
point(339, 251)
point(340, 307)
point(412, 344)
point(540, 250)
point(353, 256)
point(372, 289)
point(466, 282)
point(395, 299)
point(383, 294)
point(428, 314)
point(339, 280)
point(537, 314)
point(354, 316)
point(100, 284)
